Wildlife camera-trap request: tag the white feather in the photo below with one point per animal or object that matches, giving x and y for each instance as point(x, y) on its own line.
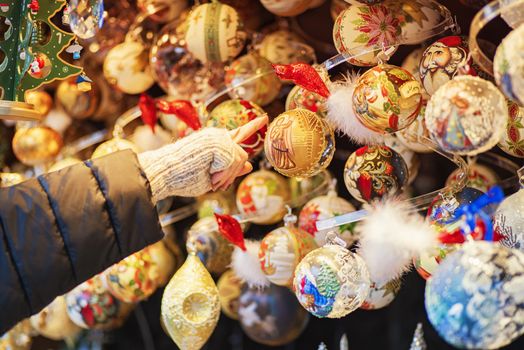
point(342, 116)
point(389, 239)
point(246, 265)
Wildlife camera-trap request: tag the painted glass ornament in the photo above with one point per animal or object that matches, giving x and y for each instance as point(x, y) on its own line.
point(53, 323)
point(474, 299)
point(113, 145)
point(232, 114)
point(508, 221)
point(299, 143)
point(239, 77)
point(229, 289)
point(301, 188)
point(36, 145)
point(76, 103)
point(214, 32)
point(326, 207)
point(512, 140)
point(86, 17)
point(271, 315)
point(209, 245)
point(286, 8)
point(410, 158)
point(282, 47)
point(508, 65)
point(416, 133)
point(18, 337)
point(263, 194)
point(299, 97)
point(190, 305)
point(220, 202)
point(480, 177)
point(282, 249)
point(373, 172)
point(466, 116)
point(387, 98)
point(381, 295)
point(331, 281)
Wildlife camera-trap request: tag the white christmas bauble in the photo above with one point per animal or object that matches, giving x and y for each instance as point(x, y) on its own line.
point(508, 221)
point(146, 140)
point(508, 65)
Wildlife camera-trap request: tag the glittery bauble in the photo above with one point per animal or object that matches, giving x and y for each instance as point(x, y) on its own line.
point(480, 177)
point(280, 252)
point(271, 316)
point(512, 140)
point(126, 66)
point(508, 65)
point(113, 145)
point(86, 17)
point(263, 194)
point(41, 100)
point(362, 31)
point(233, 114)
point(18, 337)
point(414, 136)
point(301, 98)
point(164, 10)
point(214, 32)
point(331, 282)
point(512, 12)
point(387, 98)
point(215, 202)
point(474, 299)
point(373, 172)
point(509, 221)
point(36, 145)
point(299, 143)
point(466, 116)
point(76, 103)
point(190, 305)
point(381, 295)
point(412, 61)
point(229, 289)
point(53, 323)
point(288, 8)
point(209, 245)
point(280, 47)
point(262, 90)
point(326, 207)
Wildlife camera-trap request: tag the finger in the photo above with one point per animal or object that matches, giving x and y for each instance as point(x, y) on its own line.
point(240, 134)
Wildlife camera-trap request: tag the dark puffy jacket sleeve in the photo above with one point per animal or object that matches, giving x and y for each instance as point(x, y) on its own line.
point(62, 228)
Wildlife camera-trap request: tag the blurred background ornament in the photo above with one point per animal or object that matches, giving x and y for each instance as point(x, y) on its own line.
point(220, 202)
point(63, 163)
point(54, 323)
point(508, 65)
point(283, 47)
point(508, 221)
point(146, 140)
point(36, 145)
point(414, 136)
point(512, 140)
point(418, 342)
point(18, 337)
point(381, 295)
point(412, 61)
point(229, 289)
point(41, 100)
point(479, 177)
point(299, 97)
point(164, 262)
point(162, 10)
point(86, 17)
point(10, 179)
point(114, 145)
point(76, 103)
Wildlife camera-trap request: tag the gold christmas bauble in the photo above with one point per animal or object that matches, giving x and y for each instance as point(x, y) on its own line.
point(36, 145)
point(53, 323)
point(299, 143)
point(280, 47)
point(10, 179)
point(164, 263)
point(41, 100)
point(229, 289)
point(76, 103)
point(64, 163)
point(113, 145)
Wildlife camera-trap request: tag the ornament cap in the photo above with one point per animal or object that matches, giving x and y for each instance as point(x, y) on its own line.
point(332, 238)
point(290, 219)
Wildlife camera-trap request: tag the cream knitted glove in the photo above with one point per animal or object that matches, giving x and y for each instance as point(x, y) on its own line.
point(184, 168)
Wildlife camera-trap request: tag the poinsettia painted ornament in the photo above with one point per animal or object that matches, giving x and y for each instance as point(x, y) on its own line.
point(512, 140)
point(508, 65)
point(373, 172)
point(479, 177)
point(508, 221)
point(232, 114)
point(381, 295)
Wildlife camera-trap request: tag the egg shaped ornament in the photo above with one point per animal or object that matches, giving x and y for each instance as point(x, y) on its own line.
point(214, 33)
point(240, 78)
point(271, 315)
point(41, 100)
point(126, 66)
point(36, 145)
point(474, 299)
point(299, 143)
point(467, 116)
point(209, 245)
point(263, 195)
point(288, 8)
point(323, 208)
point(282, 249)
point(387, 98)
point(283, 47)
point(220, 202)
point(373, 172)
point(508, 221)
point(233, 114)
point(508, 65)
point(162, 10)
point(331, 281)
point(381, 295)
point(229, 290)
point(512, 140)
point(415, 136)
point(114, 145)
point(480, 177)
point(363, 31)
point(18, 337)
point(190, 305)
point(54, 323)
point(86, 17)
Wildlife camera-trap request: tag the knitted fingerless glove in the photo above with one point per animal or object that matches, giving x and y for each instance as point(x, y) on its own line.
point(184, 168)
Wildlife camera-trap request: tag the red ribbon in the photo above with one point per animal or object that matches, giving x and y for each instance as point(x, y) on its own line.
point(303, 75)
point(230, 228)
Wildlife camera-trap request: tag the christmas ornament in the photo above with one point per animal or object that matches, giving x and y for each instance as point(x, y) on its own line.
point(337, 6)
point(331, 281)
point(263, 195)
point(53, 323)
point(512, 13)
point(86, 17)
point(415, 135)
point(302, 188)
point(11, 179)
point(508, 221)
point(126, 66)
point(311, 78)
point(512, 141)
point(412, 61)
point(410, 158)
point(480, 177)
point(76, 103)
point(36, 145)
point(239, 78)
point(373, 172)
point(246, 265)
point(271, 316)
point(164, 263)
point(299, 97)
point(229, 289)
point(474, 298)
point(162, 10)
point(41, 100)
point(466, 116)
point(418, 342)
point(114, 145)
point(146, 140)
point(387, 98)
point(209, 245)
point(282, 249)
point(190, 305)
point(287, 8)
point(214, 32)
point(222, 202)
point(326, 207)
point(232, 114)
point(381, 295)
point(299, 143)
point(18, 337)
point(282, 47)
point(508, 65)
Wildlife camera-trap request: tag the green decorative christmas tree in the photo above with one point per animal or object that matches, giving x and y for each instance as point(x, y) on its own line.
point(327, 282)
